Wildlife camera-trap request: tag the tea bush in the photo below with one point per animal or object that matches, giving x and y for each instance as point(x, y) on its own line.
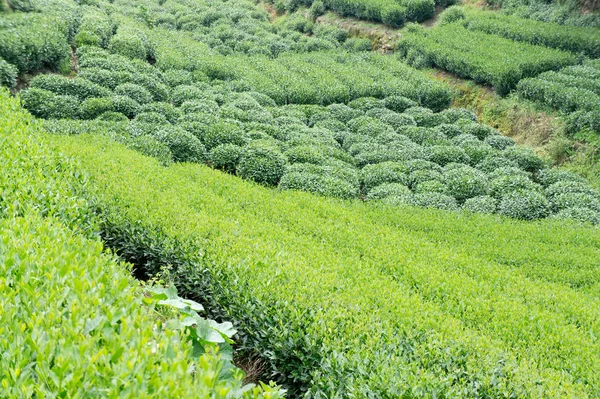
point(8, 74)
point(525, 205)
point(262, 163)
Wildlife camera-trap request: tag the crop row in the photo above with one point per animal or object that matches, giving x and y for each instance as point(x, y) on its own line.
point(569, 38)
point(73, 320)
point(325, 293)
point(572, 89)
point(387, 149)
point(480, 56)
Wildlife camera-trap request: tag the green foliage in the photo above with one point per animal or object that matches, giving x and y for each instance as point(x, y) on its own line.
point(464, 183)
point(318, 183)
point(388, 190)
point(48, 105)
point(8, 74)
point(135, 92)
point(184, 146)
point(452, 14)
point(62, 85)
point(262, 162)
point(527, 205)
point(481, 204)
point(130, 43)
point(480, 56)
point(94, 107)
point(225, 157)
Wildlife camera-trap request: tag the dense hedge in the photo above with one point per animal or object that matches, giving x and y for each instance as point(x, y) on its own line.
point(479, 56)
point(568, 38)
point(293, 269)
point(74, 321)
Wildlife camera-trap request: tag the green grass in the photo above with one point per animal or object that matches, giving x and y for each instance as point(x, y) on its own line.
point(358, 299)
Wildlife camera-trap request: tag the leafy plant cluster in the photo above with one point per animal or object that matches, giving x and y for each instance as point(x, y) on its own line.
point(480, 56)
point(73, 321)
point(566, 12)
point(444, 160)
point(574, 90)
point(583, 40)
point(342, 298)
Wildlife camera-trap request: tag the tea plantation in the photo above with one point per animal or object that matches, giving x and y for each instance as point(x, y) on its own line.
point(231, 199)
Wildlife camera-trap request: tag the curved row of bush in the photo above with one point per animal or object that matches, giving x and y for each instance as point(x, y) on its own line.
point(482, 57)
point(444, 160)
point(74, 323)
point(569, 38)
point(345, 299)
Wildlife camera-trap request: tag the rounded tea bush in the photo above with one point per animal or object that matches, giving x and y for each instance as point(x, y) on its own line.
point(184, 146)
point(480, 131)
point(94, 107)
point(135, 92)
point(547, 177)
point(434, 200)
point(8, 74)
point(431, 186)
point(366, 103)
point(262, 162)
point(125, 105)
point(448, 130)
point(569, 187)
point(477, 152)
point(499, 142)
point(225, 157)
point(575, 200)
point(422, 175)
point(343, 113)
point(386, 190)
point(398, 103)
point(464, 183)
point(152, 147)
point(152, 117)
point(129, 45)
point(321, 184)
point(112, 116)
point(580, 214)
point(506, 184)
point(493, 162)
point(47, 105)
point(525, 158)
point(445, 154)
point(453, 115)
point(306, 154)
point(62, 85)
point(386, 172)
point(524, 204)
point(223, 132)
point(165, 109)
point(481, 204)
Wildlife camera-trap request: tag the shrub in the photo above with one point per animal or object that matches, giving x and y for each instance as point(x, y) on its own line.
point(365, 103)
point(549, 176)
point(448, 130)
point(431, 186)
point(150, 146)
point(306, 154)
point(105, 78)
point(452, 14)
point(477, 152)
point(165, 109)
point(135, 92)
point(205, 105)
point(481, 204)
point(178, 77)
point(317, 8)
point(454, 115)
point(357, 44)
point(418, 10)
point(386, 190)
point(77, 87)
point(262, 162)
point(506, 184)
point(151, 117)
point(129, 44)
point(568, 187)
point(386, 172)
point(112, 116)
point(343, 113)
point(524, 204)
point(94, 107)
point(419, 176)
point(47, 105)
point(499, 142)
point(493, 162)
point(583, 121)
point(184, 146)
point(434, 200)
point(580, 214)
point(464, 183)
point(445, 154)
point(223, 132)
point(225, 157)
point(8, 74)
point(182, 94)
point(525, 158)
point(508, 171)
point(125, 105)
point(321, 184)
point(398, 103)
point(575, 200)
point(480, 131)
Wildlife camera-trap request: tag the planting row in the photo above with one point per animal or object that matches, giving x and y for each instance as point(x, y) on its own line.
point(387, 149)
point(345, 299)
point(485, 58)
point(73, 321)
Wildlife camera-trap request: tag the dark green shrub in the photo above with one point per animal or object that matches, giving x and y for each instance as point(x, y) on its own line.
point(478, 152)
point(135, 92)
point(47, 105)
point(80, 88)
point(317, 8)
point(125, 105)
point(580, 214)
point(357, 44)
point(449, 130)
point(583, 121)
point(165, 109)
point(94, 107)
point(549, 176)
point(433, 200)
point(431, 186)
point(321, 184)
point(480, 131)
point(306, 154)
point(149, 145)
point(386, 190)
point(194, 106)
point(223, 133)
point(182, 94)
point(105, 78)
point(366, 103)
point(158, 90)
point(418, 10)
point(394, 15)
point(225, 157)
point(493, 162)
point(524, 204)
point(343, 113)
point(575, 200)
point(262, 162)
point(445, 154)
point(464, 183)
point(397, 121)
point(178, 77)
point(452, 14)
point(569, 187)
point(499, 142)
point(508, 171)
point(425, 117)
point(21, 5)
point(453, 115)
point(184, 146)
point(481, 204)
point(152, 117)
point(419, 176)
point(130, 44)
point(8, 74)
point(525, 157)
point(506, 184)
point(113, 116)
point(386, 172)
